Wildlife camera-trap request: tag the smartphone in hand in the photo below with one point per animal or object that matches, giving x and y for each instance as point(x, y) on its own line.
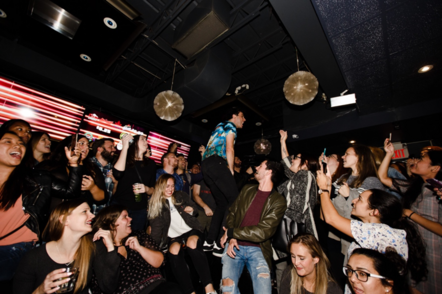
point(435, 183)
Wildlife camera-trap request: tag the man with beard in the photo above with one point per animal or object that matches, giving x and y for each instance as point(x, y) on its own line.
point(103, 151)
point(170, 162)
point(241, 177)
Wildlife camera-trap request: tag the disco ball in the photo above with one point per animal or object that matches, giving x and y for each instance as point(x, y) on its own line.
point(168, 105)
point(263, 146)
point(300, 88)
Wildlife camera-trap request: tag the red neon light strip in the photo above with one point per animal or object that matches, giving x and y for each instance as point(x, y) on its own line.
point(13, 84)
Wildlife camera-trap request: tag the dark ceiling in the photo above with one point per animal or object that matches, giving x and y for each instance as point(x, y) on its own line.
point(372, 48)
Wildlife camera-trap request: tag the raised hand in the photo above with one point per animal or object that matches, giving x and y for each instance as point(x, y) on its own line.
point(388, 146)
point(133, 243)
point(283, 135)
point(106, 236)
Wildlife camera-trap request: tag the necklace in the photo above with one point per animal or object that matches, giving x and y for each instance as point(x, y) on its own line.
point(58, 249)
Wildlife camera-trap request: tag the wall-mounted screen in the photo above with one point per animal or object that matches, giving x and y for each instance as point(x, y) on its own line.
point(45, 113)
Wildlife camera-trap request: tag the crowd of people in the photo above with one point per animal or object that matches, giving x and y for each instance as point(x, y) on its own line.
point(83, 219)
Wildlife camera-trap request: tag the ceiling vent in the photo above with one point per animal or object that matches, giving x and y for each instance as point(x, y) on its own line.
point(55, 17)
point(208, 21)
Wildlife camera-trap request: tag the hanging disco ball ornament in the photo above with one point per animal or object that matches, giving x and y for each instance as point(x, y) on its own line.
point(168, 105)
point(301, 88)
point(263, 146)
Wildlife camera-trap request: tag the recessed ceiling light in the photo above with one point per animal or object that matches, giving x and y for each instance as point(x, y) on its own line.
point(110, 23)
point(294, 136)
point(352, 141)
point(204, 120)
point(3, 14)
point(85, 57)
point(425, 68)
point(258, 124)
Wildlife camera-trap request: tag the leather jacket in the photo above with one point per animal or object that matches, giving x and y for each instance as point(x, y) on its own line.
point(39, 188)
point(271, 215)
point(160, 225)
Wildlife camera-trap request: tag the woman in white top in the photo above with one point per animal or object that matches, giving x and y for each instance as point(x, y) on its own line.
point(381, 225)
point(174, 226)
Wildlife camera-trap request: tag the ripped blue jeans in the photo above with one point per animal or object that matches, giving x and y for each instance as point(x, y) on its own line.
point(10, 256)
point(251, 257)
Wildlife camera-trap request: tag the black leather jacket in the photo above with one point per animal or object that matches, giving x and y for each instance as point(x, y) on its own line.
point(271, 215)
point(39, 187)
point(160, 225)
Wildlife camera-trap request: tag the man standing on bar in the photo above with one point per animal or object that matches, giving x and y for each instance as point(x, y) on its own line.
point(218, 169)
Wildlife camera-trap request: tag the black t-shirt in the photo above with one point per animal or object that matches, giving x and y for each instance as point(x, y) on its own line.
point(36, 264)
point(125, 194)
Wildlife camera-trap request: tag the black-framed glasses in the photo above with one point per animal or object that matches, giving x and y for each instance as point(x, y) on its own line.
point(294, 157)
point(360, 275)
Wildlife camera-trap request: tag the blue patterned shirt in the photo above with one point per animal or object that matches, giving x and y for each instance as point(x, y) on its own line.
point(217, 142)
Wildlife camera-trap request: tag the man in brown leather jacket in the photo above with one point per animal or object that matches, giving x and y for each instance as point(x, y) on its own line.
point(251, 222)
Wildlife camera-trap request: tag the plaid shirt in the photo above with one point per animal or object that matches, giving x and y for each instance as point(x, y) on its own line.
point(109, 183)
point(429, 207)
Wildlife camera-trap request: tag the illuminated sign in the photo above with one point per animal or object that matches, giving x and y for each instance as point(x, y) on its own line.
point(400, 151)
point(98, 125)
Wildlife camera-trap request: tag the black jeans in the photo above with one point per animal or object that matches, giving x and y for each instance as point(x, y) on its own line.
point(179, 266)
point(223, 186)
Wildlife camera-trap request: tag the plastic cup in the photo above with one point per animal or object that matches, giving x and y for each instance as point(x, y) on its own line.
point(69, 285)
point(137, 194)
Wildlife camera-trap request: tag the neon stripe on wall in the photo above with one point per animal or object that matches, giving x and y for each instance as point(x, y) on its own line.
point(44, 112)
point(159, 144)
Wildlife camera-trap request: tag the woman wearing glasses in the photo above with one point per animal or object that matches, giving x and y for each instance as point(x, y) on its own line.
point(381, 226)
point(309, 272)
point(422, 206)
point(370, 271)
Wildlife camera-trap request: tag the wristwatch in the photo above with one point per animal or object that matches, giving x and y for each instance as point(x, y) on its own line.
point(322, 191)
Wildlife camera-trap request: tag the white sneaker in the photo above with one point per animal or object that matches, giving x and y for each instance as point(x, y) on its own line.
point(217, 251)
point(207, 246)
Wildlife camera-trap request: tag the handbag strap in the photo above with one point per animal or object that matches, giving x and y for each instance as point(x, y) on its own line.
point(13, 231)
point(136, 169)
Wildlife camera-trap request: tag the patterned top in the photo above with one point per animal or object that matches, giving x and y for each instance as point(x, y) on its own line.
point(217, 142)
point(378, 237)
point(136, 274)
point(427, 206)
point(107, 181)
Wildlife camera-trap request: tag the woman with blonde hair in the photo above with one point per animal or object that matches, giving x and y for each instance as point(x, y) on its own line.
point(174, 226)
point(44, 269)
point(309, 271)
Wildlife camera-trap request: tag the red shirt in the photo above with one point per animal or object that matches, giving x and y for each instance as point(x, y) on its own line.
point(253, 214)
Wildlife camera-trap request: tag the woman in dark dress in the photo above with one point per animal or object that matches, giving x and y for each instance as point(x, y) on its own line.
point(140, 259)
point(135, 173)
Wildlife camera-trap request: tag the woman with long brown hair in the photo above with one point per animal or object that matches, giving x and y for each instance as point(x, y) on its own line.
point(43, 269)
point(309, 270)
point(141, 260)
point(135, 174)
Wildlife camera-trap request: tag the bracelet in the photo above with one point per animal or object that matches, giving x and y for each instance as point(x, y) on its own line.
point(409, 217)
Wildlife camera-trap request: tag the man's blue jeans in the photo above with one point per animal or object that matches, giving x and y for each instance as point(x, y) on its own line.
point(251, 257)
point(10, 256)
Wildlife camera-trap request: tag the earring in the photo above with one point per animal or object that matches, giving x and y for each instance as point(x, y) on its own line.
point(387, 290)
